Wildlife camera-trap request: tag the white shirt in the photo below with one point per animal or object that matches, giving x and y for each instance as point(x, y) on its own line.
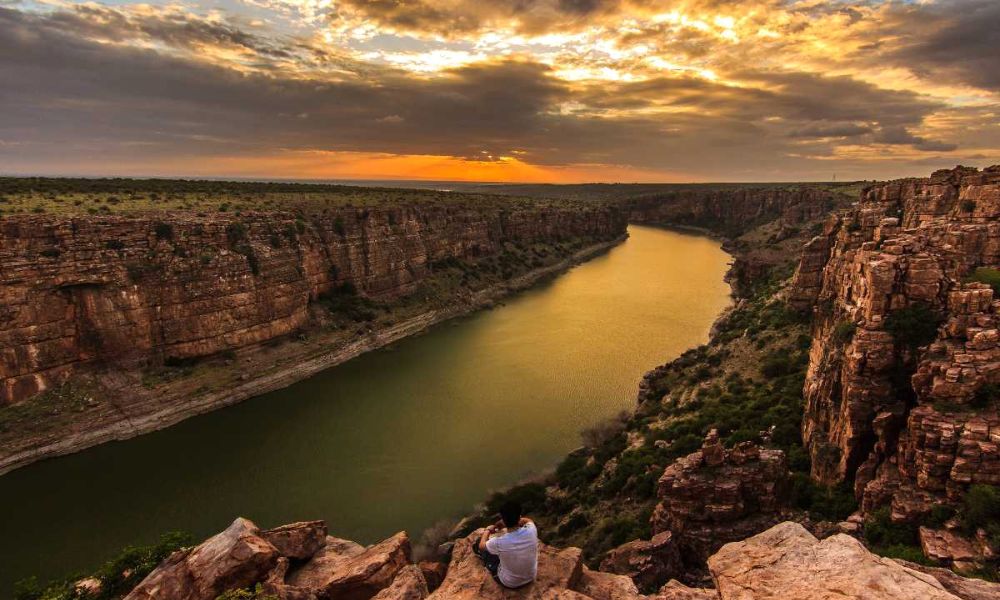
point(518, 552)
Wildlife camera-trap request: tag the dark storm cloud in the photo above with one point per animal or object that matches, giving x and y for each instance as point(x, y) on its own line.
point(65, 94)
point(470, 15)
point(835, 130)
point(956, 41)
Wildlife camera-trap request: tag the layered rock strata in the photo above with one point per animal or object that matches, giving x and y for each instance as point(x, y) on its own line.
point(77, 291)
point(717, 495)
point(908, 420)
point(732, 211)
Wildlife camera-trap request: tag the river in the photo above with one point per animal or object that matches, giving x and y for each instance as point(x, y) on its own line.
point(395, 439)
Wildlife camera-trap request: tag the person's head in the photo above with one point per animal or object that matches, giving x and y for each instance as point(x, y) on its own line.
point(510, 512)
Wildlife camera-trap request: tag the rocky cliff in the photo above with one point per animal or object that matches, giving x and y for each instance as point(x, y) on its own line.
point(732, 212)
point(176, 286)
point(301, 562)
point(901, 396)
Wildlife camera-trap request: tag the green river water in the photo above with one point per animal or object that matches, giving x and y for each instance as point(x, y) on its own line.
point(395, 439)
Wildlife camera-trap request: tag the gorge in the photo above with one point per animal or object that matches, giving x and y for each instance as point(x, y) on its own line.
point(848, 394)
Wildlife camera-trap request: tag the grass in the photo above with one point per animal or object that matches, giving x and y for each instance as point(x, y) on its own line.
point(987, 276)
point(67, 196)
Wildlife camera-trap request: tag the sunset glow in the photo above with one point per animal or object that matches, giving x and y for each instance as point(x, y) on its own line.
point(583, 90)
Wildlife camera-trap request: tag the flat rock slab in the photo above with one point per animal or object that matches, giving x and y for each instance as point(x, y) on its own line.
point(786, 562)
point(346, 571)
point(467, 579)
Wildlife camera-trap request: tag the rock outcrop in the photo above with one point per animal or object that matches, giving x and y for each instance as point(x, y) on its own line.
point(787, 563)
point(75, 291)
point(236, 558)
point(714, 496)
point(905, 349)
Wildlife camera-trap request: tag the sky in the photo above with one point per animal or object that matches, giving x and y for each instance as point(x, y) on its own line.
point(500, 90)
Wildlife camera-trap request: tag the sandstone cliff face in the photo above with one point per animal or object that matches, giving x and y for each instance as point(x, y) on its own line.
point(715, 496)
point(896, 415)
point(731, 211)
point(76, 291)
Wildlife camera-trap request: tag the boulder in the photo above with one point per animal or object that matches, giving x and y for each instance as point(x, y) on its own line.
point(946, 547)
point(606, 586)
point(409, 584)
point(787, 563)
point(963, 587)
point(468, 579)
point(650, 563)
point(236, 558)
point(675, 590)
point(340, 570)
point(275, 584)
point(298, 541)
point(434, 573)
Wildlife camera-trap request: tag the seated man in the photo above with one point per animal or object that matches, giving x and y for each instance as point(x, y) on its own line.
point(512, 557)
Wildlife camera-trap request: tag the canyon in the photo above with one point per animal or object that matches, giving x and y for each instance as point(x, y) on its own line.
point(105, 317)
point(838, 434)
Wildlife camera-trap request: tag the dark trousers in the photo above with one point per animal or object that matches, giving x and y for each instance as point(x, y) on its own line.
point(490, 560)
point(492, 563)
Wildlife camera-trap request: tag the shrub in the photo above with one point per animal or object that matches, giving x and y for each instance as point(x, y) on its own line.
point(338, 226)
point(968, 206)
point(987, 395)
point(117, 576)
point(114, 245)
point(843, 333)
point(881, 532)
point(344, 300)
point(164, 231)
point(257, 593)
point(236, 233)
point(988, 276)
point(939, 515)
point(913, 326)
point(50, 253)
point(834, 503)
point(982, 508)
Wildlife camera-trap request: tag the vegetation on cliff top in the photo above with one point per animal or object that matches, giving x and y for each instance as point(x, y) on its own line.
point(37, 195)
point(116, 577)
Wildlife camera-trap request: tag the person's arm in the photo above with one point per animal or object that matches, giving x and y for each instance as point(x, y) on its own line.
point(485, 537)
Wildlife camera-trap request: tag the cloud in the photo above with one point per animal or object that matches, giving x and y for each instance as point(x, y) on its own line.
point(141, 84)
point(956, 41)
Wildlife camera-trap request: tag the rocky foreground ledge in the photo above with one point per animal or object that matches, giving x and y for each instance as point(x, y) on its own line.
point(301, 562)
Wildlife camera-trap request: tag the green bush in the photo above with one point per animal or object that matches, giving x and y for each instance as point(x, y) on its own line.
point(117, 576)
point(843, 333)
point(257, 593)
point(881, 532)
point(833, 503)
point(344, 300)
point(968, 206)
point(913, 326)
point(986, 275)
point(981, 509)
point(236, 233)
point(164, 231)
